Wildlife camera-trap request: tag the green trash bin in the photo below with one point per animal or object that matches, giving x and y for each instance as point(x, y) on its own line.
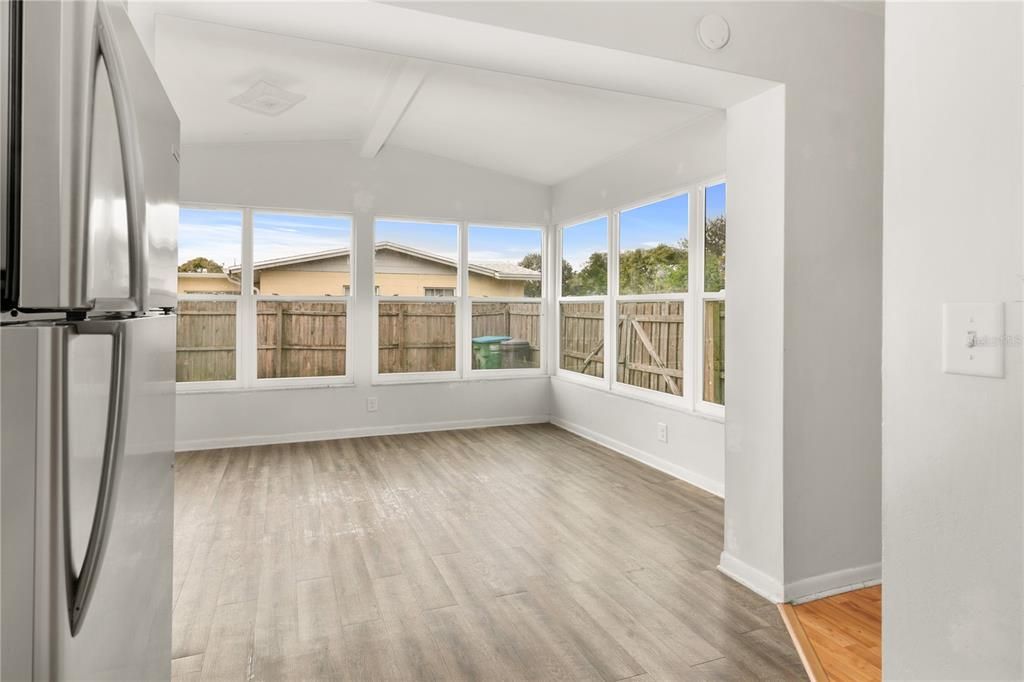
point(487, 351)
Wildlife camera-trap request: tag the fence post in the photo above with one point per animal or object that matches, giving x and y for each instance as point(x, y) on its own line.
point(401, 338)
point(279, 351)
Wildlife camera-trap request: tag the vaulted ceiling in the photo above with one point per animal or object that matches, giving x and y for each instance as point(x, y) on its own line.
point(541, 130)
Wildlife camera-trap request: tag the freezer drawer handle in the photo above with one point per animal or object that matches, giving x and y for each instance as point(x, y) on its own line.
point(131, 158)
point(81, 586)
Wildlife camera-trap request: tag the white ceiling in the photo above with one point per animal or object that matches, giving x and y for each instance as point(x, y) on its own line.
point(540, 130)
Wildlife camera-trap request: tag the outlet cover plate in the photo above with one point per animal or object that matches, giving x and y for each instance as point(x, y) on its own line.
point(973, 339)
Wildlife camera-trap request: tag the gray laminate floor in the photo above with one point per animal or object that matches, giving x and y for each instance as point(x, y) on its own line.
point(494, 554)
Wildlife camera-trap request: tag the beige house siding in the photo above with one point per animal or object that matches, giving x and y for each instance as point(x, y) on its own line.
point(396, 274)
point(302, 283)
point(206, 283)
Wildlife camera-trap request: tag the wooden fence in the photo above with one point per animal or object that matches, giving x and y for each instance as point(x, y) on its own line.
point(303, 339)
point(300, 338)
point(416, 337)
point(582, 332)
point(206, 340)
point(714, 352)
point(650, 345)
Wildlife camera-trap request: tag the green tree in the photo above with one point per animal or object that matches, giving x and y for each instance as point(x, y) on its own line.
point(714, 254)
point(659, 269)
point(590, 280)
point(200, 264)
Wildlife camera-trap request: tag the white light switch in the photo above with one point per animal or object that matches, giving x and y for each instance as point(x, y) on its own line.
point(972, 339)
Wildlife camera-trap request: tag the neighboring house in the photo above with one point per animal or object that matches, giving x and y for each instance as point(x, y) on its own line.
point(400, 271)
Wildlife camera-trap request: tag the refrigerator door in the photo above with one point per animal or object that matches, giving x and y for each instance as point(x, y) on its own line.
point(102, 446)
point(98, 173)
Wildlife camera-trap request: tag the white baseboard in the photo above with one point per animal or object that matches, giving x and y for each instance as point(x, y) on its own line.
point(800, 591)
point(837, 582)
point(712, 486)
point(357, 432)
point(751, 578)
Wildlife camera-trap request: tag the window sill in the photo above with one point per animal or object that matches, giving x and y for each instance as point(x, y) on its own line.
point(655, 401)
point(472, 378)
point(289, 386)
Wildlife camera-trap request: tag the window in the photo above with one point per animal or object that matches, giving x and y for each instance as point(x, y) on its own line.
point(301, 274)
point(505, 287)
point(666, 336)
point(280, 316)
point(653, 272)
point(584, 286)
point(209, 256)
point(585, 258)
point(712, 347)
point(416, 268)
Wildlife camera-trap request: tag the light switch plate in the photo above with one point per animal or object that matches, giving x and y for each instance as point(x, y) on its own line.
point(972, 339)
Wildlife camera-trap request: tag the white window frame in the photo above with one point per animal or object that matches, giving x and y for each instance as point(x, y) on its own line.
point(693, 305)
point(685, 400)
point(238, 382)
point(219, 384)
point(703, 405)
point(376, 376)
point(467, 351)
point(245, 320)
point(569, 375)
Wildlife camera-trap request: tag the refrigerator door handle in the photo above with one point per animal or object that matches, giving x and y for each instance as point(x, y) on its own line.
point(80, 586)
point(131, 158)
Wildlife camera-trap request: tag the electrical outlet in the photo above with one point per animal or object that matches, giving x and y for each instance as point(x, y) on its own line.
point(371, 404)
point(662, 432)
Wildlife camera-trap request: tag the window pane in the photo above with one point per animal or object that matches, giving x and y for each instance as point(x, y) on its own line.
point(653, 247)
point(585, 258)
point(714, 238)
point(301, 255)
point(206, 340)
point(416, 337)
point(650, 345)
point(582, 338)
point(300, 338)
point(411, 258)
point(714, 352)
point(504, 261)
point(506, 335)
point(209, 251)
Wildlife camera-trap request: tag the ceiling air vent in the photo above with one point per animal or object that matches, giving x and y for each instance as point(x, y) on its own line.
point(267, 99)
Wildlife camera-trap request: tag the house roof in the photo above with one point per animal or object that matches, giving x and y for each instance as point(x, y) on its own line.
point(491, 268)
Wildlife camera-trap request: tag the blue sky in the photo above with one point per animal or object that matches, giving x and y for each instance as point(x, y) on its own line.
point(213, 234)
point(715, 198)
point(663, 222)
point(217, 234)
point(495, 243)
point(278, 235)
point(583, 239)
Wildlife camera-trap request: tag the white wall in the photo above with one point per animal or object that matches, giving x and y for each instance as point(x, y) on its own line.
point(685, 156)
point(830, 59)
point(952, 444)
point(331, 176)
point(754, 350)
point(696, 444)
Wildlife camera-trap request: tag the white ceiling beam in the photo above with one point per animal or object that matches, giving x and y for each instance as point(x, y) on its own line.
point(396, 96)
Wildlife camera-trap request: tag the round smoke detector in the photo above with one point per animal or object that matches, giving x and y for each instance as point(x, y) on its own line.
point(713, 32)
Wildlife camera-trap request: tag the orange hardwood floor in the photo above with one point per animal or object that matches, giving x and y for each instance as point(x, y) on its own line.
point(839, 638)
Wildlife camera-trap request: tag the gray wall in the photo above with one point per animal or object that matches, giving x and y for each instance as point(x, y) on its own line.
point(952, 444)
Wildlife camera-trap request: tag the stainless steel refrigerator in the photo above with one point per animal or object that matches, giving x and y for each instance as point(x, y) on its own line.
point(90, 214)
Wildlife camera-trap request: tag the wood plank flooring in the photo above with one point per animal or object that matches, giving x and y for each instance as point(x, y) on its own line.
point(842, 635)
point(506, 553)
